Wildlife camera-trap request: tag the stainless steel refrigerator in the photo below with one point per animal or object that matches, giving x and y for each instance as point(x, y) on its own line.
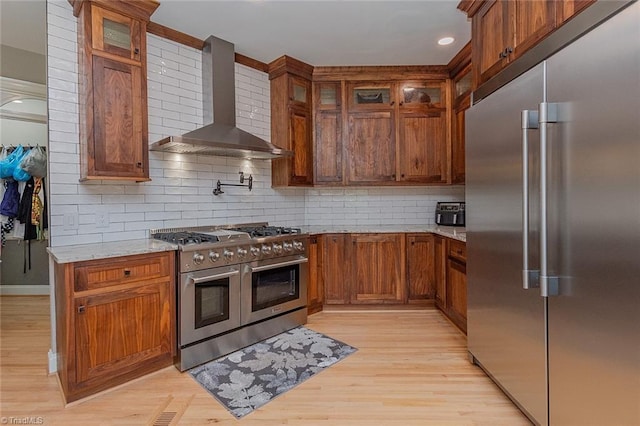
point(553, 226)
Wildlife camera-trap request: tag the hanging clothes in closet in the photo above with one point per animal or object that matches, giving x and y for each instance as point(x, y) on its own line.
point(27, 171)
point(32, 212)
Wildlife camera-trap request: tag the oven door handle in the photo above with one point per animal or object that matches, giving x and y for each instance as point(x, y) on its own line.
point(213, 277)
point(279, 265)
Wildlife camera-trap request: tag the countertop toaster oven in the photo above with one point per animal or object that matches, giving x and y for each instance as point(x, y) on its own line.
point(450, 213)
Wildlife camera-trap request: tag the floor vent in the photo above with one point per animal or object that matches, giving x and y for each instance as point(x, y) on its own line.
point(165, 418)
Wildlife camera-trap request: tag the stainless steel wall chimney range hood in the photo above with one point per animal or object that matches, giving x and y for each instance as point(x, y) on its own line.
point(221, 137)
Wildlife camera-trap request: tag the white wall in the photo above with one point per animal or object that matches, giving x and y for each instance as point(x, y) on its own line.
point(180, 192)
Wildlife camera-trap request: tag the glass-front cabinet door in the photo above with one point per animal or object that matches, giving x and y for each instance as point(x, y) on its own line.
point(463, 85)
point(370, 96)
point(300, 91)
point(115, 33)
point(328, 96)
point(422, 94)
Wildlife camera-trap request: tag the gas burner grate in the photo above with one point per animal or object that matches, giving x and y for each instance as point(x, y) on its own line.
point(268, 231)
point(184, 238)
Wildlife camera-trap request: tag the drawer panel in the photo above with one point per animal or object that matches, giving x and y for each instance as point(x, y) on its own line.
point(104, 273)
point(458, 250)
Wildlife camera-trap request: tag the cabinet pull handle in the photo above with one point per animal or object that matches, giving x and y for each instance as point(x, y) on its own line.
point(136, 51)
point(139, 164)
point(392, 103)
point(127, 272)
point(508, 51)
point(401, 103)
point(81, 309)
point(501, 55)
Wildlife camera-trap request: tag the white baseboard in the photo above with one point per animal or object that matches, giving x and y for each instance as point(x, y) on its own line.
point(25, 290)
point(53, 362)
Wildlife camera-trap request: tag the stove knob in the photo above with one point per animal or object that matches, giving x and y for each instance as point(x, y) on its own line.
point(228, 254)
point(198, 258)
point(287, 246)
point(277, 248)
point(266, 249)
point(255, 251)
point(214, 256)
point(298, 245)
point(242, 252)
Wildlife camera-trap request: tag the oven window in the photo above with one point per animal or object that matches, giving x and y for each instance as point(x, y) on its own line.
point(212, 302)
point(274, 286)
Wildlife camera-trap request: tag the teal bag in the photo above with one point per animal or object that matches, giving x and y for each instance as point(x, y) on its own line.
point(9, 164)
point(19, 174)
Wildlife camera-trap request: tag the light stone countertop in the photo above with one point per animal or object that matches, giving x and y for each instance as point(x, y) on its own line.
point(455, 232)
point(78, 253)
point(81, 252)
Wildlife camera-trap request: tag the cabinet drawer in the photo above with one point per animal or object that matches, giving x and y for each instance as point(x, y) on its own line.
point(100, 274)
point(458, 250)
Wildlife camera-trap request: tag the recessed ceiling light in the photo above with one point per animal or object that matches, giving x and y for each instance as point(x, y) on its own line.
point(445, 40)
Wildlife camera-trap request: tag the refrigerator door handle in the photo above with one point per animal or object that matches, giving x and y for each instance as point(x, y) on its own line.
point(529, 276)
point(548, 113)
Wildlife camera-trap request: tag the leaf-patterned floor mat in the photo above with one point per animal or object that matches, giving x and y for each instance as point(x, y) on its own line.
point(249, 378)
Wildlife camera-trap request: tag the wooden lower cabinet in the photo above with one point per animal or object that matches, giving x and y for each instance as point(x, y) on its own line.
point(416, 268)
point(110, 334)
point(455, 305)
point(335, 275)
point(378, 274)
point(457, 293)
point(440, 270)
point(315, 287)
point(421, 282)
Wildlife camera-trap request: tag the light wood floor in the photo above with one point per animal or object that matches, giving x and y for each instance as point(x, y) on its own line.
point(411, 368)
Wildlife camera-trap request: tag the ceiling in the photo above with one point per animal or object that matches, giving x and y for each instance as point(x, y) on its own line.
point(326, 32)
point(23, 25)
point(319, 32)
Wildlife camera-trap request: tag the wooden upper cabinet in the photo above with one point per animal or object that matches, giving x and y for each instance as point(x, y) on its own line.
point(372, 148)
point(291, 120)
point(534, 19)
point(368, 96)
point(328, 152)
point(461, 86)
point(491, 31)
point(299, 92)
point(567, 9)
point(300, 139)
point(113, 88)
point(117, 108)
point(422, 133)
point(115, 33)
point(503, 30)
point(422, 152)
point(421, 95)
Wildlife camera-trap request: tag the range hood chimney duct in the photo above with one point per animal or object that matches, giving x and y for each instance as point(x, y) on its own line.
point(221, 137)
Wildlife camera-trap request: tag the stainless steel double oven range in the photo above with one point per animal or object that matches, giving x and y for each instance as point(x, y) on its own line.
point(237, 285)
